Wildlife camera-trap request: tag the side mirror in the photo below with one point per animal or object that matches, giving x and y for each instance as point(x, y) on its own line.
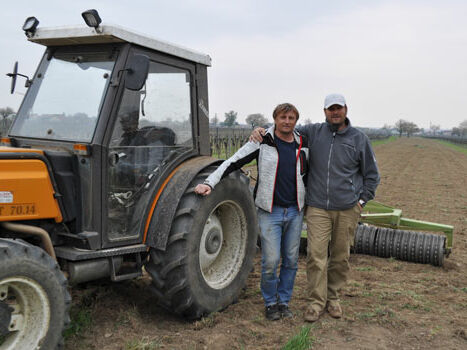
point(13, 77)
point(137, 72)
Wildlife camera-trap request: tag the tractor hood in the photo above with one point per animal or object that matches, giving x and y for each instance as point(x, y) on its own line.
point(26, 189)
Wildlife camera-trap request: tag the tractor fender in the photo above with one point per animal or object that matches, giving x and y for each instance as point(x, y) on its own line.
point(166, 204)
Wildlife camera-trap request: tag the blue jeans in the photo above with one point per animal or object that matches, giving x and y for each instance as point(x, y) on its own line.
point(280, 237)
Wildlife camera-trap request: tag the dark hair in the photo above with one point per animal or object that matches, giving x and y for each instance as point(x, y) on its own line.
point(284, 108)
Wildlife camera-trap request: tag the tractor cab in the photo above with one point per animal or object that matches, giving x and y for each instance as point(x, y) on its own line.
point(114, 112)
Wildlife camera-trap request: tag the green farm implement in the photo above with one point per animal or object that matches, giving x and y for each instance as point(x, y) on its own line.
point(383, 232)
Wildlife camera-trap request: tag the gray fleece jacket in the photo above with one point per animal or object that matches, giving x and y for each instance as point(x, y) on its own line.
point(343, 167)
point(267, 161)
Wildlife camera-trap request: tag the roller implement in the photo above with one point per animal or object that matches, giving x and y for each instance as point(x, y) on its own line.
point(96, 181)
point(401, 238)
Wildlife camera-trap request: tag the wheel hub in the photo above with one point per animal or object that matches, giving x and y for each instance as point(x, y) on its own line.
point(29, 315)
point(213, 240)
point(5, 318)
point(223, 244)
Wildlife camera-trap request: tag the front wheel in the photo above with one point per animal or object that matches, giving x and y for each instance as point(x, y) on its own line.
point(210, 249)
point(34, 300)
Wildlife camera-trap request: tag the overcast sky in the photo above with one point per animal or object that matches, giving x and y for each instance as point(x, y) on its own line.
point(391, 59)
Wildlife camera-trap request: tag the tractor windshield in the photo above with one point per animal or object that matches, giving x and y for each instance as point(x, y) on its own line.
point(65, 99)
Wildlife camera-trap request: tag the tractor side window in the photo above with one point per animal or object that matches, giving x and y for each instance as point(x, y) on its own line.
point(153, 127)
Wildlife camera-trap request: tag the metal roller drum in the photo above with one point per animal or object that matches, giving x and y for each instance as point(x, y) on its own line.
point(368, 243)
point(358, 245)
point(391, 234)
point(381, 243)
point(437, 253)
point(419, 248)
point(397, 246)
point(373, 235)
point(413, 246)
point(378, 243)
point(427, 249)
point(389, 239)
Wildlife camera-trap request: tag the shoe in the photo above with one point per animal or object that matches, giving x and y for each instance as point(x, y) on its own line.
point(285, 311)
point(334, 309)
point(312, 314)
point(272, 312)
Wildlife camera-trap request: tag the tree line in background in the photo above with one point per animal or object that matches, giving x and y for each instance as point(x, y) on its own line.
point(402, 126)
point(408, 128)
point(230, 119)
point(405, 127)
point(461, 130)
point(253, 120)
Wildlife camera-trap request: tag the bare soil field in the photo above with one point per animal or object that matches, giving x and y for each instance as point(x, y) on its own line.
point(388, 304)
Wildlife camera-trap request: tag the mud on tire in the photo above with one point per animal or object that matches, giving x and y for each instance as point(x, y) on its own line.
point(34, 290)
point(210, 249)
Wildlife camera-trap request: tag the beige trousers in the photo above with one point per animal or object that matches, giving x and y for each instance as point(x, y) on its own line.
point(330, 235)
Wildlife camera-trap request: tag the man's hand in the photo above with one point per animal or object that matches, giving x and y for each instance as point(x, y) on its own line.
point(257, 135)
point(360, 207)
point(203, 190)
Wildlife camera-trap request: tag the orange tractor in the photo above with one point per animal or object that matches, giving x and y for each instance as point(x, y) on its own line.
point(96, 181)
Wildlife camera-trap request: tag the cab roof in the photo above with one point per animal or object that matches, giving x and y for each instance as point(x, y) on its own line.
point(79, 35)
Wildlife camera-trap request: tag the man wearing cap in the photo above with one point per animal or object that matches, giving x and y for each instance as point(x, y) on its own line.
point(343, 177)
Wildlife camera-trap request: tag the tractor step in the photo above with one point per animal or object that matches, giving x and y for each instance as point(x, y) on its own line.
point(131, 272)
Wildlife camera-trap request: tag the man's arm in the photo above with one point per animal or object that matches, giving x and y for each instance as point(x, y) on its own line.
point(243, 156)
point(302, 129)
point(369, 170)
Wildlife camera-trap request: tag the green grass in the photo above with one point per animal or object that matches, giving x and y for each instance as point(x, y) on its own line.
point(81, 320)
point(300, 341)
point(382, 142)
point(377, 313)
point(364, 268)
point(142, 344)
point(455, 146)
point(208, 321)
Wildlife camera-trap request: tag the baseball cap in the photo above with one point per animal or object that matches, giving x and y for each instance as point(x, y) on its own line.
point(334, 99)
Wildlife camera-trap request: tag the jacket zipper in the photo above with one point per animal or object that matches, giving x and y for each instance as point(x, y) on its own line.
point(329, 166)
point(296, 175)
point(275, 177)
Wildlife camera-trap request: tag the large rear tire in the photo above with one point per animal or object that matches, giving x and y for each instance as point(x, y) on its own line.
point(34, 296)
point(210, 249)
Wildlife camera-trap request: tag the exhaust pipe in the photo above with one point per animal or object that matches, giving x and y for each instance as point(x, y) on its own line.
point(35, 231)
point(89, 270)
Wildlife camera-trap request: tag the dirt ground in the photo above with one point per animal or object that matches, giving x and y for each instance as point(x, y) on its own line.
point(388, 304)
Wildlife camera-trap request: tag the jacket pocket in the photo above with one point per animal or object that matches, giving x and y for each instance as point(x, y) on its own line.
point(353, 186)
point(349, 146)
point(347, 154)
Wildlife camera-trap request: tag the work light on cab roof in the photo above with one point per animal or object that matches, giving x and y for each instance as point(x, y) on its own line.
point(30, 25)
point(92, 18)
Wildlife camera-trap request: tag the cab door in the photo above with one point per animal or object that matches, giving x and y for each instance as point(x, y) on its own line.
point(152, 132)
